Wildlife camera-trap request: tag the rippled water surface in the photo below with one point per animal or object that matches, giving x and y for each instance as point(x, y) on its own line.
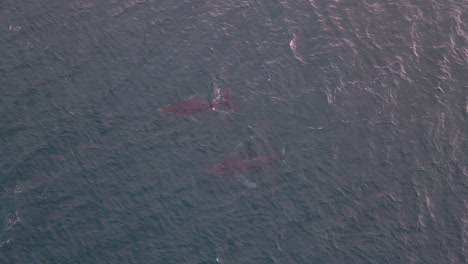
point(347, 142)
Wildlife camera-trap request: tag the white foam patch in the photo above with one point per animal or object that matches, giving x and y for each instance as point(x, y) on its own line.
point(293, 46)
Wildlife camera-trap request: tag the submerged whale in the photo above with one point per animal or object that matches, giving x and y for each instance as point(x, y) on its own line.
point(191, 106)
point(236, 165)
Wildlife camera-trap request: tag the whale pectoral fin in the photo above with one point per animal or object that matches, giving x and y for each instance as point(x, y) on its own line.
point(244, 181)
point(192, 96)
point(236, 149)
point(193, 119)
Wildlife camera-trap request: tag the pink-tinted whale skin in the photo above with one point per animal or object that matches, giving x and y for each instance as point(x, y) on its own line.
point(191, 106)
point(236, 165)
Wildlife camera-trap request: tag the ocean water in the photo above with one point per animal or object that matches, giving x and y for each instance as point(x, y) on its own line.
point(366, 101)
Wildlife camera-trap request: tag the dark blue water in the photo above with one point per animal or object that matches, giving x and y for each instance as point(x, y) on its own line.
point(366, 102)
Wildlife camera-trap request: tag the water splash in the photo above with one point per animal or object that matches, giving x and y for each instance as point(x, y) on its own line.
point(292, 45)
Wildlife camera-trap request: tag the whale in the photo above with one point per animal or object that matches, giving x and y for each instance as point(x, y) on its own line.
point(191, 106)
